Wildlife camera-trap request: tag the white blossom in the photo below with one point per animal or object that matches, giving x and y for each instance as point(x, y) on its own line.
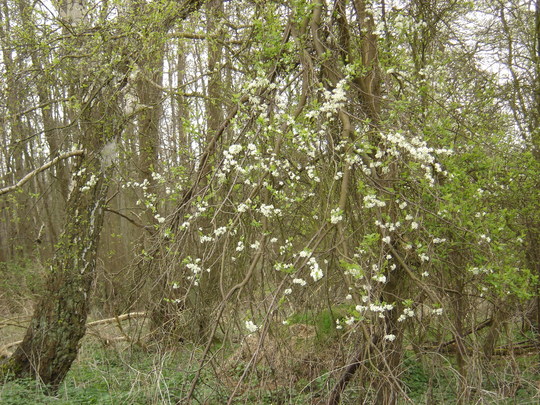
point(371, 201)
point(206, 238)
point(299, 281)
point(251, 327)
point(349, 320)
point(316, 272)
point(269, 210)
point(220, 231)
point(235, 149)
point(336, 215)
point(242, 208)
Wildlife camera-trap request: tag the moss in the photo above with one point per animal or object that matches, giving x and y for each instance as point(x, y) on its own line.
point(9, 369)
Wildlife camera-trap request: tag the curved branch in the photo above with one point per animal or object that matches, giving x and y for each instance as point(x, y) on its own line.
point(137, 224)
point(33, 173)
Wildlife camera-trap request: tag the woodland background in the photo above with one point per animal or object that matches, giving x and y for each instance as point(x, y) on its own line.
point(269, 202)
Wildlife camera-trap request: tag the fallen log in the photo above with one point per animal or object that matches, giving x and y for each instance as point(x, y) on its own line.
point(5, 352)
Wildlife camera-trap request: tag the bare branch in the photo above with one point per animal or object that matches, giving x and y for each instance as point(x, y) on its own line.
point(33, 173)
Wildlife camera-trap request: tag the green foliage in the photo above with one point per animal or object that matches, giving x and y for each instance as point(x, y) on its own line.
point(20, 281)
point(324, 321)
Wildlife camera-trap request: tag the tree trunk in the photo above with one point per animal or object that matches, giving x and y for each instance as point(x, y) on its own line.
point(52, 339)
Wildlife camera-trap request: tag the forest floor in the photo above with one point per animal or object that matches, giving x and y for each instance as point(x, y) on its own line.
point(112, 368)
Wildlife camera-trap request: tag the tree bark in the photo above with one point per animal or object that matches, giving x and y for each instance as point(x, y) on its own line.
point(51, 341)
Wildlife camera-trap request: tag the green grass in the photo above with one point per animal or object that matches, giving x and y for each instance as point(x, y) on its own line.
point(108, 376)
point(324, 321)
point(129, 375)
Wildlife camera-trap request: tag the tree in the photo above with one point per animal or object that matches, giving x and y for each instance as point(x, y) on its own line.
point(354, 167)
point(52, 339)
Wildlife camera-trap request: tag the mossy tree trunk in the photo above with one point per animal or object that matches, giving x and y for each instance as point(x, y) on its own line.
point(51, 341)
point(95, 74)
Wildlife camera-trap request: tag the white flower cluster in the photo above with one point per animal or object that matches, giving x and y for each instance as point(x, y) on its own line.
point(380, 308)
point(258, 82)
point(286, 247)
point(336, 215)
point(195, 267)
point(355, 271)
point(419, 150)
point(92, 181)
point(81, 172)
point(312, 175)
point(381, 278)
point(251, 149)
point(371, 201)
point(480, 270)
point(229, 161)
point(269, 210)
point(242, 207)
point(159, 218)
point(299, 281)
point(285, 267)
point(251, 327)
point(482, 237)
point(334, 100)
point(304, 253)
point(349, 321)
point(201, 208)
point(305, 141)
point(316, 272)
point(233, 150)
point(407, 313)
point(391, 226)
point(143, 185)
point(220, 231)
point(157, 177)
point(206, 238)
